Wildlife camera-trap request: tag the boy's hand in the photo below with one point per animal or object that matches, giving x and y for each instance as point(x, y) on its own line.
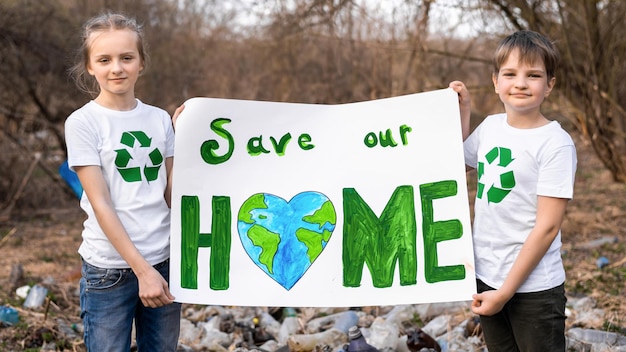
point(488, 302)
point(464, 105)
point(461, 89)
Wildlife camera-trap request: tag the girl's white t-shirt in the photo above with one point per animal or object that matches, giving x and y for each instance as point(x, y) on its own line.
point(515, 166)
point(130, 147)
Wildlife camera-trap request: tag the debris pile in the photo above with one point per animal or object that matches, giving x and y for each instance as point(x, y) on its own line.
point(53, 324)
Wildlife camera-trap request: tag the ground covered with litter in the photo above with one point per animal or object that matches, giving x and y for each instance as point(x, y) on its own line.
point(39, 248)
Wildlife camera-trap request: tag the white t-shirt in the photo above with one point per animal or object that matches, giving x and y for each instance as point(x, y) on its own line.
point(514, 167)
point(131, 148)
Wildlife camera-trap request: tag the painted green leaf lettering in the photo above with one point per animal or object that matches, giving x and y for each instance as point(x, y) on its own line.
point(219, 240)
point(280, 146)
point(379, 242)
point(207, 149)
point(438, 231)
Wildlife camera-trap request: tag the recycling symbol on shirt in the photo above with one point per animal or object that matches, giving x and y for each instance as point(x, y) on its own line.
point(499, 158)
point(133, 173)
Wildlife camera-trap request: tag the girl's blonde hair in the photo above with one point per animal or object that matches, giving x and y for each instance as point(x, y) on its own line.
point(105, 22)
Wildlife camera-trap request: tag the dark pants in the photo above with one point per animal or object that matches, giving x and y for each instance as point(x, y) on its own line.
point(529, 322)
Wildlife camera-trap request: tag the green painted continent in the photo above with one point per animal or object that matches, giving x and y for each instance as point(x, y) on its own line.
point(268, 241)
point(326, 213)
point(313, 241)
point(257, 201)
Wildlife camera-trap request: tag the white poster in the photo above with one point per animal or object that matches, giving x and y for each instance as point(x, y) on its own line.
point(307, 205)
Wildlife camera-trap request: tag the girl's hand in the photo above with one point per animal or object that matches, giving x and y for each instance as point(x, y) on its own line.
point(153, 290)
point(176, 113)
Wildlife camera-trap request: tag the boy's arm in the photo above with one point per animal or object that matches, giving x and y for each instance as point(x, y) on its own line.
point(550, 213)
point(464, 106)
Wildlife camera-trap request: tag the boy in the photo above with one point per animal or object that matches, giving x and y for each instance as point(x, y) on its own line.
point(526, 165)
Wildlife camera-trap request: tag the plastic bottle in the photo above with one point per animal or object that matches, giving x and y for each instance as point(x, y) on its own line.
point(357, 341)
point(290, 325)
point(345, 320)
point(36, 296)
point(9, 315)
point(269, 324)
point(309, 342)
point(384, 334)
point(602, 262)
point(590, 336)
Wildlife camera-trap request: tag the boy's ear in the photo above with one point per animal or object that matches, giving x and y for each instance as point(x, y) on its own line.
point(551, 84)
point(494, 79)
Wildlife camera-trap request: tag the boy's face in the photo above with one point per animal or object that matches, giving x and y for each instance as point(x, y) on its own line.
point(522, 87)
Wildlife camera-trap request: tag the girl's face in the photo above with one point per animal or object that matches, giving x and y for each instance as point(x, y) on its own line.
point(522, 87)
point(115, 63)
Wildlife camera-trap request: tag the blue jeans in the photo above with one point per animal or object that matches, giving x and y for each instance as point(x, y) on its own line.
point(528, 322)
point(109, 301)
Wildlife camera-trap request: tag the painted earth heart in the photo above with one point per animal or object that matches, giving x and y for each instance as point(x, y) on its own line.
point(284, 238)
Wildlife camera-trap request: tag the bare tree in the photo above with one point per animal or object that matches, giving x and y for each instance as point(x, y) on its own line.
point(311, 51)
point(35, 94)
point(590, 35)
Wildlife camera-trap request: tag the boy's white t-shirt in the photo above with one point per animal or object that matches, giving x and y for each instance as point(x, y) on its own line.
point(130, 147)
point(514, 167)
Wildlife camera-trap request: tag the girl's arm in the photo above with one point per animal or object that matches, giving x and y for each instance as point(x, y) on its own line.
point(550, 213)
point(153, 289)
point(169, 162)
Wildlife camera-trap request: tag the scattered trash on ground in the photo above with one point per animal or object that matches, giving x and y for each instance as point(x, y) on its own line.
point(48, 321)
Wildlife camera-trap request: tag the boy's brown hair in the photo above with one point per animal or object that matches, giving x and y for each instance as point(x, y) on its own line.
point(533, 47)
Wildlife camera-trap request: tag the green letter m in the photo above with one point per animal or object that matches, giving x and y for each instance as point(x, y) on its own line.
point(379, 242)
point(191, 240)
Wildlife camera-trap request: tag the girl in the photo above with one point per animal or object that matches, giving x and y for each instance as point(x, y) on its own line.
point(122, 151)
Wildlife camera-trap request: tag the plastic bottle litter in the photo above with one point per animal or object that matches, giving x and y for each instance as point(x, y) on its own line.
point(309, 342)
point(384, 334)
point(437, 326)
point(9, 315)
point(36, 296)
point(600, 241)
point(602, 262)
point(590, 336)
point(71, 179)
point(290, 325)
point(345, 320)
point(400, 314)
point(22, 292)
point(269, 324)
point(357, 341)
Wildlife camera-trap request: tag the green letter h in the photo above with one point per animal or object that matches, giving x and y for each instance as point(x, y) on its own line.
point(191, 240)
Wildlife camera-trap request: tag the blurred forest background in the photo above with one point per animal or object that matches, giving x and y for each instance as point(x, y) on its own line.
point(309, 51)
